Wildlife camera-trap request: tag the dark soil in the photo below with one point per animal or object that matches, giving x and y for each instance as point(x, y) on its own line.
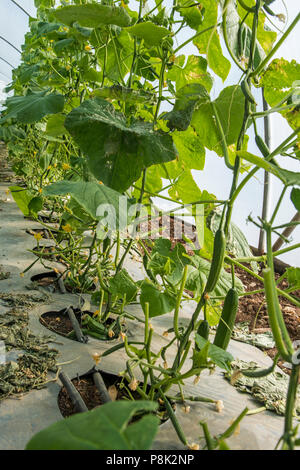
point(252, 308)
point(90, 394)
point(60, 323)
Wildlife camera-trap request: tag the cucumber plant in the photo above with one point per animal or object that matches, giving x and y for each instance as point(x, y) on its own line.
point(108, 106)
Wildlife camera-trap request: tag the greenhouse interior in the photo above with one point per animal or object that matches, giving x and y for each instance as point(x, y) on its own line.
point(149, 227)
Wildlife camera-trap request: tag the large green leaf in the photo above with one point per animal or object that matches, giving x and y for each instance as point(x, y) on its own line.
point(122, 284)
point(220, 357)
point(185, 189)
point(91, 196)
point(159, 302)
point(191, 152)
point(193, 71)
point(278, 81)
point(295, 198)
point(230, 107)
point(209, 42)
point(104, 428)
point(55, 125)
point(93, 15)
point(33, 107)
point(187, 98)
point(22, 198)
point(198, 274)
point(150, 32)
point(168, 262)
point(117, 152)
point(117, 56)
point(193, 15)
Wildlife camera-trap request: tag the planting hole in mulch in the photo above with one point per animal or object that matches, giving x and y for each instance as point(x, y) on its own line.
point(117, 388)
point(46, 280)
point(43, 232)
point(60, 323)
point(49, 281)
point(253, 310)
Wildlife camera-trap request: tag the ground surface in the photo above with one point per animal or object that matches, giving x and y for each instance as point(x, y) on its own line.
point(21, 418)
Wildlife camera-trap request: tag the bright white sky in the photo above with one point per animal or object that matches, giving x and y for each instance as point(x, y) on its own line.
point(216, 177)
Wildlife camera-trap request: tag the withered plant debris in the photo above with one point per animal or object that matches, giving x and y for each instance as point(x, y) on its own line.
point(31, 369)
point(270, 390)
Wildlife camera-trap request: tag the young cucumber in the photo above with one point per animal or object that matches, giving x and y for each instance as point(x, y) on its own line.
point(203, 329)
point(217, 260)
point(262, 146)
point(247, 92)
point(93, 324)
point(227, 319)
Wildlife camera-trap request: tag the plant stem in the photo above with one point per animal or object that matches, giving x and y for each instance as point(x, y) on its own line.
point(178, 300)
point(290, 406)
point(263, 64)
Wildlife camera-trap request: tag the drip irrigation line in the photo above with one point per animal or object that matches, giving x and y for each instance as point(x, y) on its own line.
point(61, 284)
point(8, 63)
point(73, 393)
point(99, 382)
point(21, 8)
point(76, 327)
point(10, 44)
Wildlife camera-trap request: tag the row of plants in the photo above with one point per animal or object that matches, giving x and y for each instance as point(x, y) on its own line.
point(108, 116)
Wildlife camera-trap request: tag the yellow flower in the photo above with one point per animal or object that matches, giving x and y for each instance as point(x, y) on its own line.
point(40, 190)
point(49, 167)
point(96, 313)
point(65, 28)
point(133, 384)
point(96, 356)
point(165, 334)
point(55, 165)
point(38, 236)
point(68, 67)
point(194, 446)
point(100, 182)
point(87, 48)
point(196, 379)
point(219, 406)
point(7, 192)
point(21, 274)
point(123, 336)
point(66, 166)
point(281, 17)
point(111, 333)
point(67, 228)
